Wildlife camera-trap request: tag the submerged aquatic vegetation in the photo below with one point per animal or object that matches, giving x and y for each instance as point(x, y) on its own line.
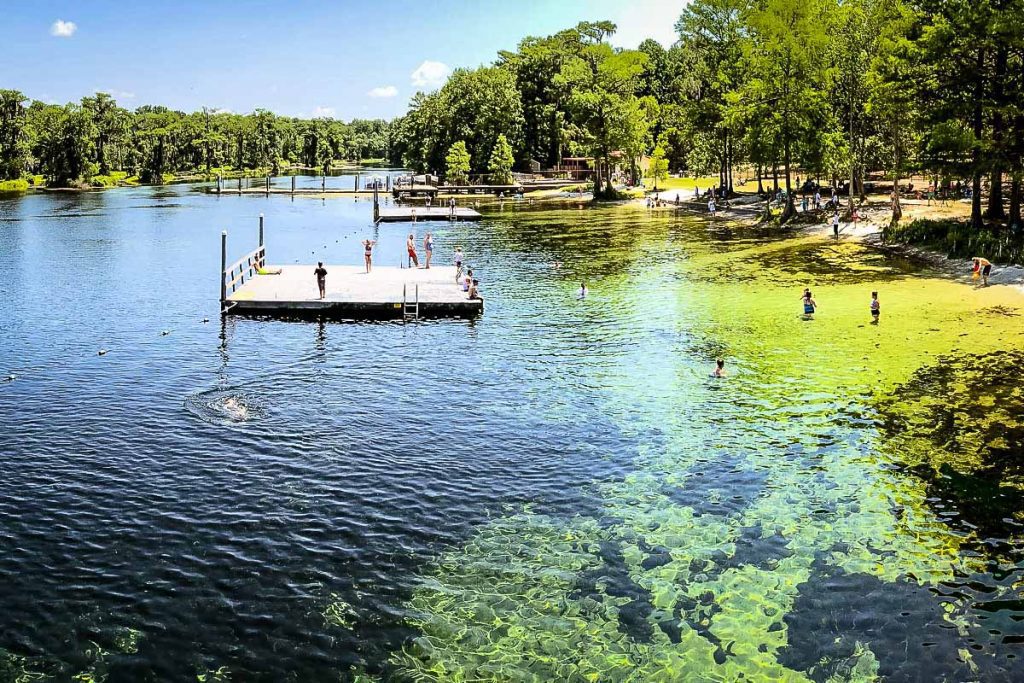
point(743, 491)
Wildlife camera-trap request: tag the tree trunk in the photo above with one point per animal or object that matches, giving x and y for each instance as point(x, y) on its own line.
point(760, 186)
point(790, 209)
point(775, 176)
point(979, 90)
point(1015, 217)
point(897, 208)
point(995, 195)
point(853, 159)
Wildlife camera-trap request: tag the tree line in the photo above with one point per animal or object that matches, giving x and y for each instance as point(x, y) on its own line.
point(95, 140)
point(833, 89)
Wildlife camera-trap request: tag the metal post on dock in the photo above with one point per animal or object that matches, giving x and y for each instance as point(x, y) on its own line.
point(261, 230)
point(323, 183)
point(376, 206)
point(268, 184)
point(388, 181)
point(293, 184)
point(223, 267)
point(220, 183)
point(239, 184)
point(356, 186)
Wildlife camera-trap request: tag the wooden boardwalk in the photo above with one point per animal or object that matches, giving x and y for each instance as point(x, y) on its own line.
point(386, 292)
point(412, 214)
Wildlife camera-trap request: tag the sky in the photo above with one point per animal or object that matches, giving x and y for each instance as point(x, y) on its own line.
point(343, 59)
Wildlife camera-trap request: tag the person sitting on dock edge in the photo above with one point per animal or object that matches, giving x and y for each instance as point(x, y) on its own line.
point(321, 278)
point(474, 291)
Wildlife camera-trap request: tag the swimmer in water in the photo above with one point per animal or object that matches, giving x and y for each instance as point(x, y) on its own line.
point(236, 410)
point(582, 294)
point(719, 368)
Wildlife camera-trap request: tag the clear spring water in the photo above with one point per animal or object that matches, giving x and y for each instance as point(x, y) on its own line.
point(555, 491)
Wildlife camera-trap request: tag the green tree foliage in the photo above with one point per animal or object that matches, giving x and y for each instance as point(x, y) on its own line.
point(457, 164)
point(501, 161)
point(658, 169)
point(14, 138)
point(72, 144)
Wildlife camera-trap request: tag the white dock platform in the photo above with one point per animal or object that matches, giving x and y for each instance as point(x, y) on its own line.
point(386, 292)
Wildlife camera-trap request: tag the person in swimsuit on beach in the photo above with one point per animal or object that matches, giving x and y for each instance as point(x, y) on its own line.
point(321, 278)
point(368, 253)
point(810, 305)
point(428, 249)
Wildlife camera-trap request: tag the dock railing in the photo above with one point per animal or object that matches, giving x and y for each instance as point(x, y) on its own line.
point(234, 276)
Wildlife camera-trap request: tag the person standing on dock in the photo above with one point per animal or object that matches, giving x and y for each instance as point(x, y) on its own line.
point(368, 254)
point(428, 249)
point(321, 278)
point(458, 263)
point(410, 246)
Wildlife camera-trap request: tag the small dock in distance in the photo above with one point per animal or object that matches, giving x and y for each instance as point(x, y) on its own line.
point(352, 294)
point(412, 214)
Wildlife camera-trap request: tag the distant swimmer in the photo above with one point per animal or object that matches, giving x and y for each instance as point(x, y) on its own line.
point(235, 409)
point(719, 368)
point(582, 294)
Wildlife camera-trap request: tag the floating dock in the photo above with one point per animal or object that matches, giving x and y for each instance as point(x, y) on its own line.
point(351, 293)
point(251, 286)
point(412, 214)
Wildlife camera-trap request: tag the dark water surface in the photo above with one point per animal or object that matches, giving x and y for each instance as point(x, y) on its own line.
point(554, 491)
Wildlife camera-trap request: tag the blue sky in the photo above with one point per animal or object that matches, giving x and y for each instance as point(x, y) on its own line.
point(344, 59)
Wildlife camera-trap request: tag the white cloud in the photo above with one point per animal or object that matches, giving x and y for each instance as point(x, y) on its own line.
point(117, 94)
point(652, 19)
point(383, 91)
point(63, 29)
point(430, 74)
point(323, 112)
point(222, 110)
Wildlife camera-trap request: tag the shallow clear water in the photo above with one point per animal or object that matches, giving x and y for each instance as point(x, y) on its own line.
point(555, 491)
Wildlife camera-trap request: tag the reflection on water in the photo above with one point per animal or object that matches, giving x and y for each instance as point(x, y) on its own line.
point(556, 491)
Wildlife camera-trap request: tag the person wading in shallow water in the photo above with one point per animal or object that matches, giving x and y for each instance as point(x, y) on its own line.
point(984, 266)
point(321, 278)
point(810, 305)
point(719, 368)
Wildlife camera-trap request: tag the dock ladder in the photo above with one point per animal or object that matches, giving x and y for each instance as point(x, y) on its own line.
point(410, 310)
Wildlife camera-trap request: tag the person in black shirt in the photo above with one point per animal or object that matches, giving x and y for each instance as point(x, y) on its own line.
point(321, 277)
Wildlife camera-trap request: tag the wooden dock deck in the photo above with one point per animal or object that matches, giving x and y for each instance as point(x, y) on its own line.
point(384, 293)
point(412, 214)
